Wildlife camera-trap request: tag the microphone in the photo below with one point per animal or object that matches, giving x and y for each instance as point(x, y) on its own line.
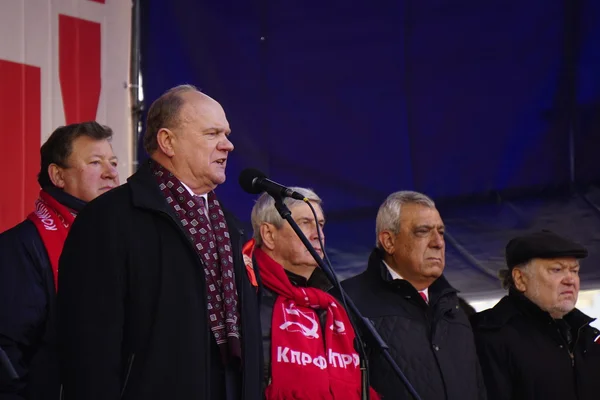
point(253, 181)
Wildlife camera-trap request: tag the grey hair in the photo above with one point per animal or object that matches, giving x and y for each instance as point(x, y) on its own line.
point(388, 216)
point(506, 278)
point(264, 210)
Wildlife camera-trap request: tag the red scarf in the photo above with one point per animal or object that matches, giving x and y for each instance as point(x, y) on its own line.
point(304, 365)
point(53, 221)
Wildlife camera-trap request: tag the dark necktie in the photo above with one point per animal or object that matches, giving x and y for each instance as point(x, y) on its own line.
point(202, 204)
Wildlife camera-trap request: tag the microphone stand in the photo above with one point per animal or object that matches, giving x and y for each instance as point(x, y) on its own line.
point(375, 339)
point(8, 366)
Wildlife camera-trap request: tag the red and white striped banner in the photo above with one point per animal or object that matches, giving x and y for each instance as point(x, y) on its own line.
point(61, 61)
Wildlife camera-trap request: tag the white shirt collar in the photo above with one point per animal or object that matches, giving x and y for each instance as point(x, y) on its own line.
point(205, 195)
point(396, 275)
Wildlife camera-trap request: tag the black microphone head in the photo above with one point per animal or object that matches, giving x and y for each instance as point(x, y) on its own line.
point(247, 179)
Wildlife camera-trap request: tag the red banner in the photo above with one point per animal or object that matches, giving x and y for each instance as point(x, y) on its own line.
point(79, 67)
point(20, 138)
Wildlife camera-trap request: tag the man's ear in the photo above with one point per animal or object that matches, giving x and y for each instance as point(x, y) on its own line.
point(386, 239)
point(165, 138)
point(56, 175)
point(520, 278)
point(268, 233)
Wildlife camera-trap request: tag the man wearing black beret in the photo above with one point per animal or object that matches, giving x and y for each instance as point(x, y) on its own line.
point(534, 344)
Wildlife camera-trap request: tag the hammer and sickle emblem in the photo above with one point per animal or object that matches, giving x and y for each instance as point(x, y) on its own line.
point(310, 332)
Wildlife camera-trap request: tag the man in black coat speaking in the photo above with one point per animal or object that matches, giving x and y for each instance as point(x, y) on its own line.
point(155, 301)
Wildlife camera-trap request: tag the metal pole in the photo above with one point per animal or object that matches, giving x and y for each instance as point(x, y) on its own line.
point(137, 106)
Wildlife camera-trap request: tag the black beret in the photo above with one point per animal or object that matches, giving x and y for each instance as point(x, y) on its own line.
point(544, 244)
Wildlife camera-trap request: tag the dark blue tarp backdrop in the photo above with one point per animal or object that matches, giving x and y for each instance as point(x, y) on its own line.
point(491, 108)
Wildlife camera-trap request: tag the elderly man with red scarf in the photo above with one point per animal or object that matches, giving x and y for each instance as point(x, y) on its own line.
point(308, 341)
point(77, 165)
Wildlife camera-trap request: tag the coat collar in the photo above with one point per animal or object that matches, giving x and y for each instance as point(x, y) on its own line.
point(65, 198)
point(317, 279)
point(144, 190)
point(517, 304)
point(378, 271)
point(146, 194)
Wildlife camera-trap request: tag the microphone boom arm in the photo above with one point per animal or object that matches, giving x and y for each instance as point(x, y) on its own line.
point(366, 326)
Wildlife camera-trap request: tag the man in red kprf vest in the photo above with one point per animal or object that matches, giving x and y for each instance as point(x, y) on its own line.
point(77, 165)
point(308, 342)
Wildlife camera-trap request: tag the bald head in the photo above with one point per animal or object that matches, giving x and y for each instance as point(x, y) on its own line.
point(188, 134)
point(198, 97)
point(171, 109)
point(196, 105)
